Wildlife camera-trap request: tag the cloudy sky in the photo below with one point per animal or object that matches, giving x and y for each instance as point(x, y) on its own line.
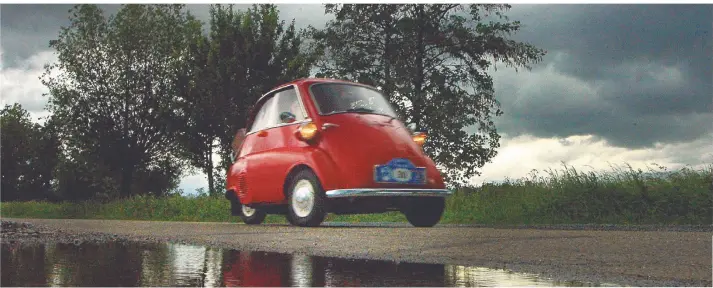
point(620, 83)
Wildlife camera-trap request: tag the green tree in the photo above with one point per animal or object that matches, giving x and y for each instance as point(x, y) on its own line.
point(18, 133)
point(245, 54)
point(431, 61)
point(81, 175)
point(200, 108)
point(47, 150)
point(29, 154)
point(253, 52)
point(113, 91)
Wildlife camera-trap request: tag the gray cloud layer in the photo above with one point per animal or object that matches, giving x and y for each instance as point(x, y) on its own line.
point(26, 29)
point(634, 75)
point(647, 67)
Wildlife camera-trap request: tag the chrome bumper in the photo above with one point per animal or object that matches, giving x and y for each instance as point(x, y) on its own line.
point(340, 193)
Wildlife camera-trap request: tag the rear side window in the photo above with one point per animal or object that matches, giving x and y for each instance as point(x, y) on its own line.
point(287, 102)
point(263, 117)
point(281, 101)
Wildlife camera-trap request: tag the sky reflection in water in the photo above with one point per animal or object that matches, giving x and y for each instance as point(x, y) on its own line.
point(140, 264)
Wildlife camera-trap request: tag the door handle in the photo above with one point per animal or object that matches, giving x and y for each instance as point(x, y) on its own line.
point(325, 126)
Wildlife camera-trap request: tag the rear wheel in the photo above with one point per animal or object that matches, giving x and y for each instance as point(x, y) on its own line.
point(425, 211)
point(305, 197)
point(252, 216)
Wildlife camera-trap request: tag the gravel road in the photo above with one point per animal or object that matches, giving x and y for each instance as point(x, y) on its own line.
point(648, 256)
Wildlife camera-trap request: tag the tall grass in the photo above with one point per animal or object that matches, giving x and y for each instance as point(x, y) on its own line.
point(174, 208)
point(622, 196)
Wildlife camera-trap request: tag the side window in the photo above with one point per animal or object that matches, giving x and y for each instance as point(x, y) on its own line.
point(287, 102)
point(269, 114)
point(262, 118)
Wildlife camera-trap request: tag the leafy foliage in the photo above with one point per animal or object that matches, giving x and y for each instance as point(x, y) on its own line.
point(28, 155)
point(199, 110)
point(245, 54)
point(139, 96)
point(251, 52)
point(113, 91)
point(431, 61)
point(565, 196)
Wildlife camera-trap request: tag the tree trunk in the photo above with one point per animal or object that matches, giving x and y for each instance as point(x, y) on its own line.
point(419, 79)
point(126, 179)
point(127, 169)
point(209, 170)
point(387, 53)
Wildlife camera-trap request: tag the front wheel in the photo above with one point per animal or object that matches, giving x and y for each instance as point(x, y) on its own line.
point(252, 216)
point(424, 212)
point(305, 198)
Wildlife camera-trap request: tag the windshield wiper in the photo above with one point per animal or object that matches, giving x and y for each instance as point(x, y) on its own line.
point(367, 110)
point(360, 109)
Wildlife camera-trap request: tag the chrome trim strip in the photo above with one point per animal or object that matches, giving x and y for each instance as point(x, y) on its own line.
point(299, 99)
point(370, 192)
point(281, 125)
point(327, 125)
point(276, 89)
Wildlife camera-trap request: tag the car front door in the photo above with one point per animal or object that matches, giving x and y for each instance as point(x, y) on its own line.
point(272, 136)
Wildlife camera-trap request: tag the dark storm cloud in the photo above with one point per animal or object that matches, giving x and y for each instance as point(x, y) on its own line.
point(27, 29)
point(25, 32)
point(634, 75)
point(599, 37)
point(647, 68)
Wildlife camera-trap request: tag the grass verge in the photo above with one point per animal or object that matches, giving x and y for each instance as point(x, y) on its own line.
point(566, 196)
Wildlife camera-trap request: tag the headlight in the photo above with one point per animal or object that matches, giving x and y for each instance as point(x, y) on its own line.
point(419, 138)
point(308, 131)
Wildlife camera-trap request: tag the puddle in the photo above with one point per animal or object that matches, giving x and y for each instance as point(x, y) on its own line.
point(141, 264)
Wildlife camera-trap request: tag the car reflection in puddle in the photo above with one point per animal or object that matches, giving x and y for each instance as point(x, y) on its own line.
point(141, 264)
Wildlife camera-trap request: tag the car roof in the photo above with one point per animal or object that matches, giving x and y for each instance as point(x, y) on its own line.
point(318, 80)
point(251, 112)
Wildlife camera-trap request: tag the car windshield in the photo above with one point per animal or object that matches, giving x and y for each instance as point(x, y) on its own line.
point(334, 98)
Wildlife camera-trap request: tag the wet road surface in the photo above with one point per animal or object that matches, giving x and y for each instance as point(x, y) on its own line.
point(638, 258)
point(140, 264)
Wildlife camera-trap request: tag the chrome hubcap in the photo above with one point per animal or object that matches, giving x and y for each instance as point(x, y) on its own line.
point(248, 211)
point(303, 198)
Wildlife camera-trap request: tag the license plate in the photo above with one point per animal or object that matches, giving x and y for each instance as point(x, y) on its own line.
point(401, 171)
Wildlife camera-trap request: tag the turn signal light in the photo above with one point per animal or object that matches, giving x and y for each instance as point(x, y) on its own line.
point(308, 131)
point(419, 138)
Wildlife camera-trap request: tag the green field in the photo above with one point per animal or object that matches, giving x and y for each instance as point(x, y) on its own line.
point(565, 196)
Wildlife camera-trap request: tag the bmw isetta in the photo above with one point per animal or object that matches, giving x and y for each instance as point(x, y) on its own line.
point(318, 146)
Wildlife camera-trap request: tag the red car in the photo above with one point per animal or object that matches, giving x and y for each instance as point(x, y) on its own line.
point(318, 146)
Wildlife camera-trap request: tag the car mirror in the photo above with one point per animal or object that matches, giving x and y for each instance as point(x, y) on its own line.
point(287, 117)
point(411, 126)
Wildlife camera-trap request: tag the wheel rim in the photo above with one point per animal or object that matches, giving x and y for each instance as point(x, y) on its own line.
point(303, 198)
point(248, 211)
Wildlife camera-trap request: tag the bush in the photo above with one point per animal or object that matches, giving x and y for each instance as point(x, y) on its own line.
point(622, 196)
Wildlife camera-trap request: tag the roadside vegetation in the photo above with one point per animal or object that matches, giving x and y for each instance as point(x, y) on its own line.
point(559, 196)
point(114, 149)
point(188, 84)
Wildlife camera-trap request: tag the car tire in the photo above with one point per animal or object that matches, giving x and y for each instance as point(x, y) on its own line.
point(305, 200)
point(252, 216)
point(424, 212)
